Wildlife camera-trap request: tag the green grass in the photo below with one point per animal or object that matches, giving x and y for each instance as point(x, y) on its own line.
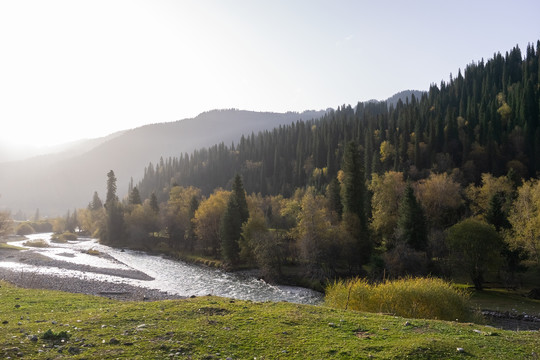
point(4, 246)
point(85, 327)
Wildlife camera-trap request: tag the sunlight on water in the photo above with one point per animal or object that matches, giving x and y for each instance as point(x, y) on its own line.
point(175, 277)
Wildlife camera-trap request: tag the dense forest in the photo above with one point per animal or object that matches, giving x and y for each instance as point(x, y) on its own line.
point(440, 182)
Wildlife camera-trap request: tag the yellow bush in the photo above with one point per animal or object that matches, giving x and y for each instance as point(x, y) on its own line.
point(428, 298)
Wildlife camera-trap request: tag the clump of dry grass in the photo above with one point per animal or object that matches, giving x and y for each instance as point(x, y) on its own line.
point(39, 243)
point(428, 298)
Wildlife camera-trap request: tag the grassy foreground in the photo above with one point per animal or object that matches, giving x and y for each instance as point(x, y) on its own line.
point(86, 327)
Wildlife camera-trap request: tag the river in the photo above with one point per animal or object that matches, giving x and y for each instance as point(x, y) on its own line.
point(171, 276)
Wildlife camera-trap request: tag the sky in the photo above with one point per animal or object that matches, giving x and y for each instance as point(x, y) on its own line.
point(78, 69)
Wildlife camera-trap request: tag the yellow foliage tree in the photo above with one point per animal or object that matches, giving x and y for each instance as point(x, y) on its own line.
point(207, 220)
point(440, 197)
point(525, 219)
point(387, 190)
point(480, 195)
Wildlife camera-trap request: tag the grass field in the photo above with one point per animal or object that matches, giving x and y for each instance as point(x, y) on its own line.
point(86, 327)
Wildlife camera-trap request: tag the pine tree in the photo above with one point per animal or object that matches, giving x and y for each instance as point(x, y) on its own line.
point(154, 203)
point(240, 194)
point(495, 214)
point(411, 226)
point(353, 182)
point(353, 195)
point(333, 194)
point(230, 230)
point(191, 237)
point(114, 232)
point(135, 197)
point(96, 203)
point(111, 188)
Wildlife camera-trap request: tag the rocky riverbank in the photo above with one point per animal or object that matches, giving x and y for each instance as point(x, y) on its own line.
point(37, 280)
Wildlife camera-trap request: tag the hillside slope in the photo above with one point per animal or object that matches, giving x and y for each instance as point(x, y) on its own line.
point(55, 183)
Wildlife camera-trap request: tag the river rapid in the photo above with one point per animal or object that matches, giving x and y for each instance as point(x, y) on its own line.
point(152, 272)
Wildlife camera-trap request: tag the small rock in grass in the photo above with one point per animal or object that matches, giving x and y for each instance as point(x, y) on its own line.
point(114, 341)
point(331, 324)
point(407, 323)
point(460, 350)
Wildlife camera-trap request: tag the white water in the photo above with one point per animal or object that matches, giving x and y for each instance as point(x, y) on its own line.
point(174, 277)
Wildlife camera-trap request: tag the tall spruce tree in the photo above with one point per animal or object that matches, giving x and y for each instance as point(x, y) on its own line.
point(240, 194)
point(333, 194)
point(154, 203)
point(353, 194)
point(495, 214)
point(114, 232)
point(230, 230)
point(411, 226)
point(236, 214)
point(135, 197)
point(353, 182)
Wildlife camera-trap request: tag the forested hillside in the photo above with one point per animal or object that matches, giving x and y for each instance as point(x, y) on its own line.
point(437, 185)
point(483, 120)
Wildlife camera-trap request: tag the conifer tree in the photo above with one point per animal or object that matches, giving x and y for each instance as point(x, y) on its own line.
point(411, 226)
point(333, 194)
point(230, 230)
point(240, 194)
point(495, 214)
point(114, 231)
point(353, 195)
point(154, 203)
point(353, 182)
point(96, 203)
point(135, 197)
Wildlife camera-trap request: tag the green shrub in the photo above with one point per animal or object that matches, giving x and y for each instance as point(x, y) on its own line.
point(24, 229)
point(93, 252)
point(428, 298)
point(51, 335)
point(64, 237)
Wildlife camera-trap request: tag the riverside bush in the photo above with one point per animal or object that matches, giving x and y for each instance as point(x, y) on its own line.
point(39, 243)
point(428, 298)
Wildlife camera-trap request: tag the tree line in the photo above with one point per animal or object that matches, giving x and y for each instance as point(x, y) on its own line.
point(372, 189)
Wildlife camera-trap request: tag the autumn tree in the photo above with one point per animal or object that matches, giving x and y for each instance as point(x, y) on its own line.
point(525, 219)
point(315, 234)
point(207, 221)
point(177, 218)
point(441, 199)
point(6, 223)
point(141, 224)
point(387, 190)
point(480, 196)
point(475, 247)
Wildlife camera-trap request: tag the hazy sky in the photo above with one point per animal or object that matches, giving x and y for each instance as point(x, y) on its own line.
point(81, 69)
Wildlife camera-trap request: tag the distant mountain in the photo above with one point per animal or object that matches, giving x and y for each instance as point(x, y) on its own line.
point(65, 150)
point(403, 96)
point(57, 182)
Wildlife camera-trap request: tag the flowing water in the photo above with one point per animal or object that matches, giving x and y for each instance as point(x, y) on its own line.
point(172, 276)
